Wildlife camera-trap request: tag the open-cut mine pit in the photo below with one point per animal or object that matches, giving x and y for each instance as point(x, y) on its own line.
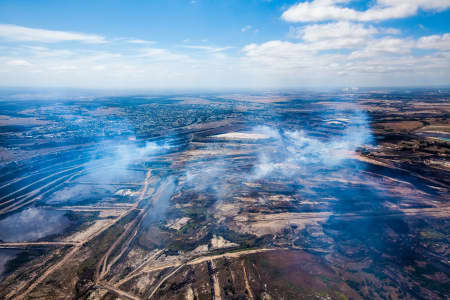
point(293, 196)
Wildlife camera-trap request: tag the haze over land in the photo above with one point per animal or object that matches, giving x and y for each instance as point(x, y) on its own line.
point(326, 195)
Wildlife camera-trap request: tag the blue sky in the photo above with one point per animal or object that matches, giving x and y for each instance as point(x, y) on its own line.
point(224, 44)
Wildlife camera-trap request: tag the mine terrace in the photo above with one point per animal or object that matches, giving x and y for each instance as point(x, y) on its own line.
point(337, 195)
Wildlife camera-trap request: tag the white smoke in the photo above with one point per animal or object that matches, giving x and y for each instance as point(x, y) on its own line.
point(284, 153)
point(207, 176)
point(167, 188)
point(292, 152)
point(32, 224)
point(112, 167)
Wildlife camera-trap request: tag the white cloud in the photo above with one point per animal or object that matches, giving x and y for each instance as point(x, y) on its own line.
point(26, 34)
point(163, 55)
point(154, 52)
point(64, 68)
point(437, 42)
point(279, 54)
point(44, 51)
point(314, 33)
point(207, 48)
point(388, 45)
point(374, 60)
point(335, 53)
point(18, 62)
point(141, 42)
point(336, 35)
point(323, 10)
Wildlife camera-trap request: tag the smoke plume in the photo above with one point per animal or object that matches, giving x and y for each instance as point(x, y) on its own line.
point(293, 152)
point(110, 165)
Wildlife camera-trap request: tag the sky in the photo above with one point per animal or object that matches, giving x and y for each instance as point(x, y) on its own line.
point(224, 44)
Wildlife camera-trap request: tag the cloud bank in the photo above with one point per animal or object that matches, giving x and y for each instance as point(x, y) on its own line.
point(26, 34)
point(326, 10)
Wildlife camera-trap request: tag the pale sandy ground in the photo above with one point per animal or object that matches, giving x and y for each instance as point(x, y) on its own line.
point(178, 223)
point(260, 225)
point(218, 242)
point(95, 227)
point(241, 136)
point(214, 152)
point(439, 163)
point(7, 120)
point(217, 295)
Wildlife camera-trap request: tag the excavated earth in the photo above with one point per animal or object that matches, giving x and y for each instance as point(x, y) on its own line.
point(196, 221)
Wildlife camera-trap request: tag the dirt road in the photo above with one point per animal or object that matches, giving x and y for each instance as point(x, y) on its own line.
point(34, 244)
